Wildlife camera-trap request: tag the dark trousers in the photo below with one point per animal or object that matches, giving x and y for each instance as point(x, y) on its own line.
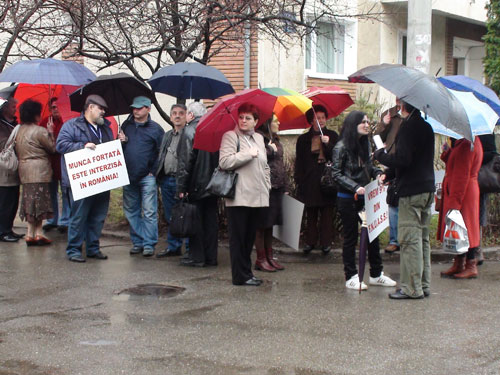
point(203, 247)
point(9, 202)
point(86, 222)
point(242, 225)
point(325, 225)
point(348, 209)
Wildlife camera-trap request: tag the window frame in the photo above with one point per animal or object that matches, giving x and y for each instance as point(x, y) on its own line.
point(350, 50)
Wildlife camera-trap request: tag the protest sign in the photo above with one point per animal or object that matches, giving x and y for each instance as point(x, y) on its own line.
point(377, 210)
point(289, 232)
point(438, 179)
point(91, 172)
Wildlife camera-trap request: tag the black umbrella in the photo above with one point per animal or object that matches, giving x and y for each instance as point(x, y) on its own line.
point(118, 90)
point(191, 81)
point(8, 92)
point(421, 90)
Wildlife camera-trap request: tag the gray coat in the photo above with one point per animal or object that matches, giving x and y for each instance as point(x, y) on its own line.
point(254, 179)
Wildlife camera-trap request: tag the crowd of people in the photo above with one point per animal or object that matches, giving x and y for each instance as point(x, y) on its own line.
point(167, 161)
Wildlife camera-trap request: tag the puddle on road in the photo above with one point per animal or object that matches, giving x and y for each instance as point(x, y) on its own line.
point(98, 343)
point(149, 290)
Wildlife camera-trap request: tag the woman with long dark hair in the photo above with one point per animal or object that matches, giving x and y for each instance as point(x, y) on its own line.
point(353, 169)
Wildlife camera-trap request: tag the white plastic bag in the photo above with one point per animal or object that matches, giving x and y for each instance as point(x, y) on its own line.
point(456, 238)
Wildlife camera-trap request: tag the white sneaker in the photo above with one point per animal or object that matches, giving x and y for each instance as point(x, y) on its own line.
point(382, 280)
point(353, 283)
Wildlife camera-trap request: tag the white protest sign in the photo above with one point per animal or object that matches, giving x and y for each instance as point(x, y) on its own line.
point(92, 172)
point(377, 210)
point(289, 232)
point(438, 180)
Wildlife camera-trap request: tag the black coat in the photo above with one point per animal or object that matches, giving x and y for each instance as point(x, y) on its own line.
point(413, 162)
point(308, 171)
point(279, 177)
point(194, 167)
point(349, 171)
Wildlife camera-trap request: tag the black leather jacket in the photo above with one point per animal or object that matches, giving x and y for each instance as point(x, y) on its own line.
point(194, 167)
point(349, 171)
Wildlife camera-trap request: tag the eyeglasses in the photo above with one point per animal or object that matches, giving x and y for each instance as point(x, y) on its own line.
point(54, 107)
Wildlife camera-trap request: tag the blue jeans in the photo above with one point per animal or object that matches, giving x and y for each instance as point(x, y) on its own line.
point(168, 186)
point(140, 203)
point(393, 225)
point(64, 218)
point(86, 222)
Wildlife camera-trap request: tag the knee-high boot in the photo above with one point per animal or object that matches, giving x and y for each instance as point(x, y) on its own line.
point(470, 271)
point(457, 267)
point(272, 261)
point(261, 263)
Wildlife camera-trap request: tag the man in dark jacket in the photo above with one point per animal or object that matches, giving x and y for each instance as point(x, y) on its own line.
point(194, 171)
point(87, 215)
point(141, 138)
point(313, 150)
point(166, 175)
point(9, 180)
point(412, 165)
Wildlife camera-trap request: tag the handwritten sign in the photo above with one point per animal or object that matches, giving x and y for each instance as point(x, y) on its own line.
point(92, 172)
point(377, 210)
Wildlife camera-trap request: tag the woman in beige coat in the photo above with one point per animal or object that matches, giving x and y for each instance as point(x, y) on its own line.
point(243, 151)
point(33, 146)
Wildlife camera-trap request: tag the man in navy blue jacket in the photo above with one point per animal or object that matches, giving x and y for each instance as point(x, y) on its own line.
point(86, 215)
point(141, 138)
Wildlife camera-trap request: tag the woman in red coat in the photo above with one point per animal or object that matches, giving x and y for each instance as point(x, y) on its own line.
point(461, 192)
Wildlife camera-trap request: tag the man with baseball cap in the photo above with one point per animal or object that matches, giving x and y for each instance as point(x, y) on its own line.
point(87, 215)
point(141, 138)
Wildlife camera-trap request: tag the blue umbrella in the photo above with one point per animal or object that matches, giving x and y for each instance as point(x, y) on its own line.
point(480, 91)
point(48, 72)
point(191, 81)
point(482, 117)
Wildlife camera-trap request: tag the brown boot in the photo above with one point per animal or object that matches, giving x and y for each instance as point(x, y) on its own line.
point(272, 261)
point(261, 263)
point(457, 267)
point(470, 271)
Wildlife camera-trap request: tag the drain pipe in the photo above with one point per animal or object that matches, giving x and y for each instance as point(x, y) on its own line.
point(246, 61)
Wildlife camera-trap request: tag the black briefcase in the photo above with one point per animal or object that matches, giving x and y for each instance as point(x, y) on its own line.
point(184, 220)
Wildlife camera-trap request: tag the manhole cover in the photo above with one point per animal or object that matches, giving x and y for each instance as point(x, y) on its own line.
point(155, 290)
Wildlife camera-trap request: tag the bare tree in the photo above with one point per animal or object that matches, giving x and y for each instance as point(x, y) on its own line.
point(32, 29)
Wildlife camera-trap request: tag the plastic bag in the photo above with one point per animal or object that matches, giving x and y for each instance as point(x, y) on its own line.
point(456, 238)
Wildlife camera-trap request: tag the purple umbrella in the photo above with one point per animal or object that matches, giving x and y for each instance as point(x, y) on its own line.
point(363, 246)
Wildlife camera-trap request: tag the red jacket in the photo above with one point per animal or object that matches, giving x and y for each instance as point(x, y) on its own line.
point(460, 188)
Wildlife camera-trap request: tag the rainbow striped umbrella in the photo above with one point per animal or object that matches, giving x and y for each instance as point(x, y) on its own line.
point(290, 107)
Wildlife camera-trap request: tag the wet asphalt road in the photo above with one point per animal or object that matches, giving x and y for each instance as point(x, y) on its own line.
point(58, 317)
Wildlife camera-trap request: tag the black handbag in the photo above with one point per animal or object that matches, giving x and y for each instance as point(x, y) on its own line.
point(392, 194)
point(223, 183)
point(327, 183)
point(489, 176)
point(184, 220)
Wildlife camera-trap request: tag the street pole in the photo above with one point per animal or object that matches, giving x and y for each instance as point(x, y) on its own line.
point(419, 34)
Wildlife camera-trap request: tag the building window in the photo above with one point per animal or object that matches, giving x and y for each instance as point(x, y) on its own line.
point(325, 49)
point(403, 41)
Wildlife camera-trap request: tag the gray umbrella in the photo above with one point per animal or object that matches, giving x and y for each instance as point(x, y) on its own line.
point(420, 90)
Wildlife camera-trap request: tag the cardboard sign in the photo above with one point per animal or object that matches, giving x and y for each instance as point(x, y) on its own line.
point(91, 172)
point(289, 232)
point(377, 210)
